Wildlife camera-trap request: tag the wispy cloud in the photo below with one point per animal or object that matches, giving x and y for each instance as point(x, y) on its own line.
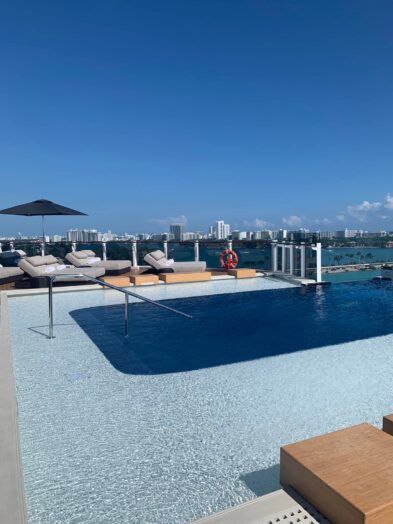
point(363, 210)
point(292, 221)
point(389, 201)
point(182, 219)
point(256, 223)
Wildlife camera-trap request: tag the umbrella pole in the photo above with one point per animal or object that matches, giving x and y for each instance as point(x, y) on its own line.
point(43, 236)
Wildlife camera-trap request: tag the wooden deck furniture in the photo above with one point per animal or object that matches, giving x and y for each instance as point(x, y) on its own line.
point(242, 273)
point(118, 280)
point(140, 280)
point(347, 475)
point(175, 278)
point(388, 424)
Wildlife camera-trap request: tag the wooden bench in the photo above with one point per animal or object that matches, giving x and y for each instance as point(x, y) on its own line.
point(144, 279)
point(347, 475)
point(175, 278)
point(242, 273)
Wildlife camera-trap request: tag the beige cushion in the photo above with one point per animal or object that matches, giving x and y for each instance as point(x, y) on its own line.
point(79, 254)
point(157, 255)
point(88, 252)
point(42, 261)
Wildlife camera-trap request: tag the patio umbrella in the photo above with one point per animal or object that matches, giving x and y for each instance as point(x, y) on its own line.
point(41, 208)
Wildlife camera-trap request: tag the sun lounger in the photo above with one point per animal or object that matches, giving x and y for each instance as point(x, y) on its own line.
point(87, 258)
point(161, 264)
point(9, 275)
point(40, 268)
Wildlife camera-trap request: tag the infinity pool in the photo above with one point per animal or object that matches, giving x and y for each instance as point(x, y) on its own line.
point(186, 417)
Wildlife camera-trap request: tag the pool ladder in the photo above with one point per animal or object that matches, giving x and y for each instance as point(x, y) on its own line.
point(126, 293)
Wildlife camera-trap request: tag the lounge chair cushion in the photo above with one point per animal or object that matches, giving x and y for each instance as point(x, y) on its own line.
point(8, 272)
point(113, 265)
point(188, 267)
point(40, 271)
point(161, 264)
point(88, 252)
point(157, 255)
point(41, 261)
point(77, 261)
point(79, 254)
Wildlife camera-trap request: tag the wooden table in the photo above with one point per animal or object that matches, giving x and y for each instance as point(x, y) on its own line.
point(175, 278)
point(117, 280)
point(347, 475)
point(140, 280)
point(242, 273)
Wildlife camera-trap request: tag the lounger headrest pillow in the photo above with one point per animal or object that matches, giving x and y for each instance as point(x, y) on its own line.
point(79, 254)
point(41, 261)
point(88, 252)
point(157, 255)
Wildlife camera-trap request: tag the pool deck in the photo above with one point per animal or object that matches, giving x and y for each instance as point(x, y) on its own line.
point(12, 497)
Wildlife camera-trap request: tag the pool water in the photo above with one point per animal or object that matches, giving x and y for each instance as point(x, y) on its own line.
point(186, 417)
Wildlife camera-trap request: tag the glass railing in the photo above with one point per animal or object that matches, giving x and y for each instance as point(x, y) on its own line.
point(255, 254)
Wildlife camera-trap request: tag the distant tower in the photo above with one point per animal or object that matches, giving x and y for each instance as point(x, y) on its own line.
point(177, 231)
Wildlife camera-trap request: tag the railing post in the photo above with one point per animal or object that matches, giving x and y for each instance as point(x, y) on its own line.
point(291, 258)
point(50, 308)
point(196, 251)
point(134, 253)
point(104, 251)
point(274, 256)
point(318, 249)
point(42, 249)
point(283, 258)
point(229, 244)
point(73, 247)
point(12, 246)
point(303, 260)
point(166, 248)
point(126, 315)
point(1, 247)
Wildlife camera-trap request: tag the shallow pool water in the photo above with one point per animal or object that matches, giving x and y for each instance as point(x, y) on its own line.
point(186, 417)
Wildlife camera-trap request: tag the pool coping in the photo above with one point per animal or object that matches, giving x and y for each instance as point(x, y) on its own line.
point(12, 493)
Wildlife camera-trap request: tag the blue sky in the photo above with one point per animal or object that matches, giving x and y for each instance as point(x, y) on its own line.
point(258, 112)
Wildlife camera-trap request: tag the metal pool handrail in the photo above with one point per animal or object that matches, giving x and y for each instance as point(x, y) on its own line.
point(111, 286)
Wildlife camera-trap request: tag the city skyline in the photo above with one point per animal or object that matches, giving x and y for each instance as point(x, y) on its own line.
point(264, 112)
point(373, 216)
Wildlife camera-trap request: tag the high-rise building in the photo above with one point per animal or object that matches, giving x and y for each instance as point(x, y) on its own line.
point(221, 230)
point(177, 231)
point(82, 235)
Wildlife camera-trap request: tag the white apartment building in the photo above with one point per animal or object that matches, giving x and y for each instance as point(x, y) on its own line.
point(221, 230)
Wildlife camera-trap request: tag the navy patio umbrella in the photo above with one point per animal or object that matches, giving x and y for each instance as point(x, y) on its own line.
point(41, 208)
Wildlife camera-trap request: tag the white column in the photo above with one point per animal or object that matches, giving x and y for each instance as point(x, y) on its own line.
point(283, 257)
point(196, 251)
point(166, 248)
point(73, 247)
point(104, 251)
point(12, 246)
point(303, 260)
point(318, 249)
point(42, 249)
point(274, 256)
point(1, 247)
point(291, 258)
point(134, 254)
point(229, 244)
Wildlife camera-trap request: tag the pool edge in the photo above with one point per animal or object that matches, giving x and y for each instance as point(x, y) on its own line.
point(12, 493)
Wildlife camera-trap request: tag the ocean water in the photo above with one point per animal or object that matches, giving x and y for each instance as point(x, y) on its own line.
point(186, 417)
